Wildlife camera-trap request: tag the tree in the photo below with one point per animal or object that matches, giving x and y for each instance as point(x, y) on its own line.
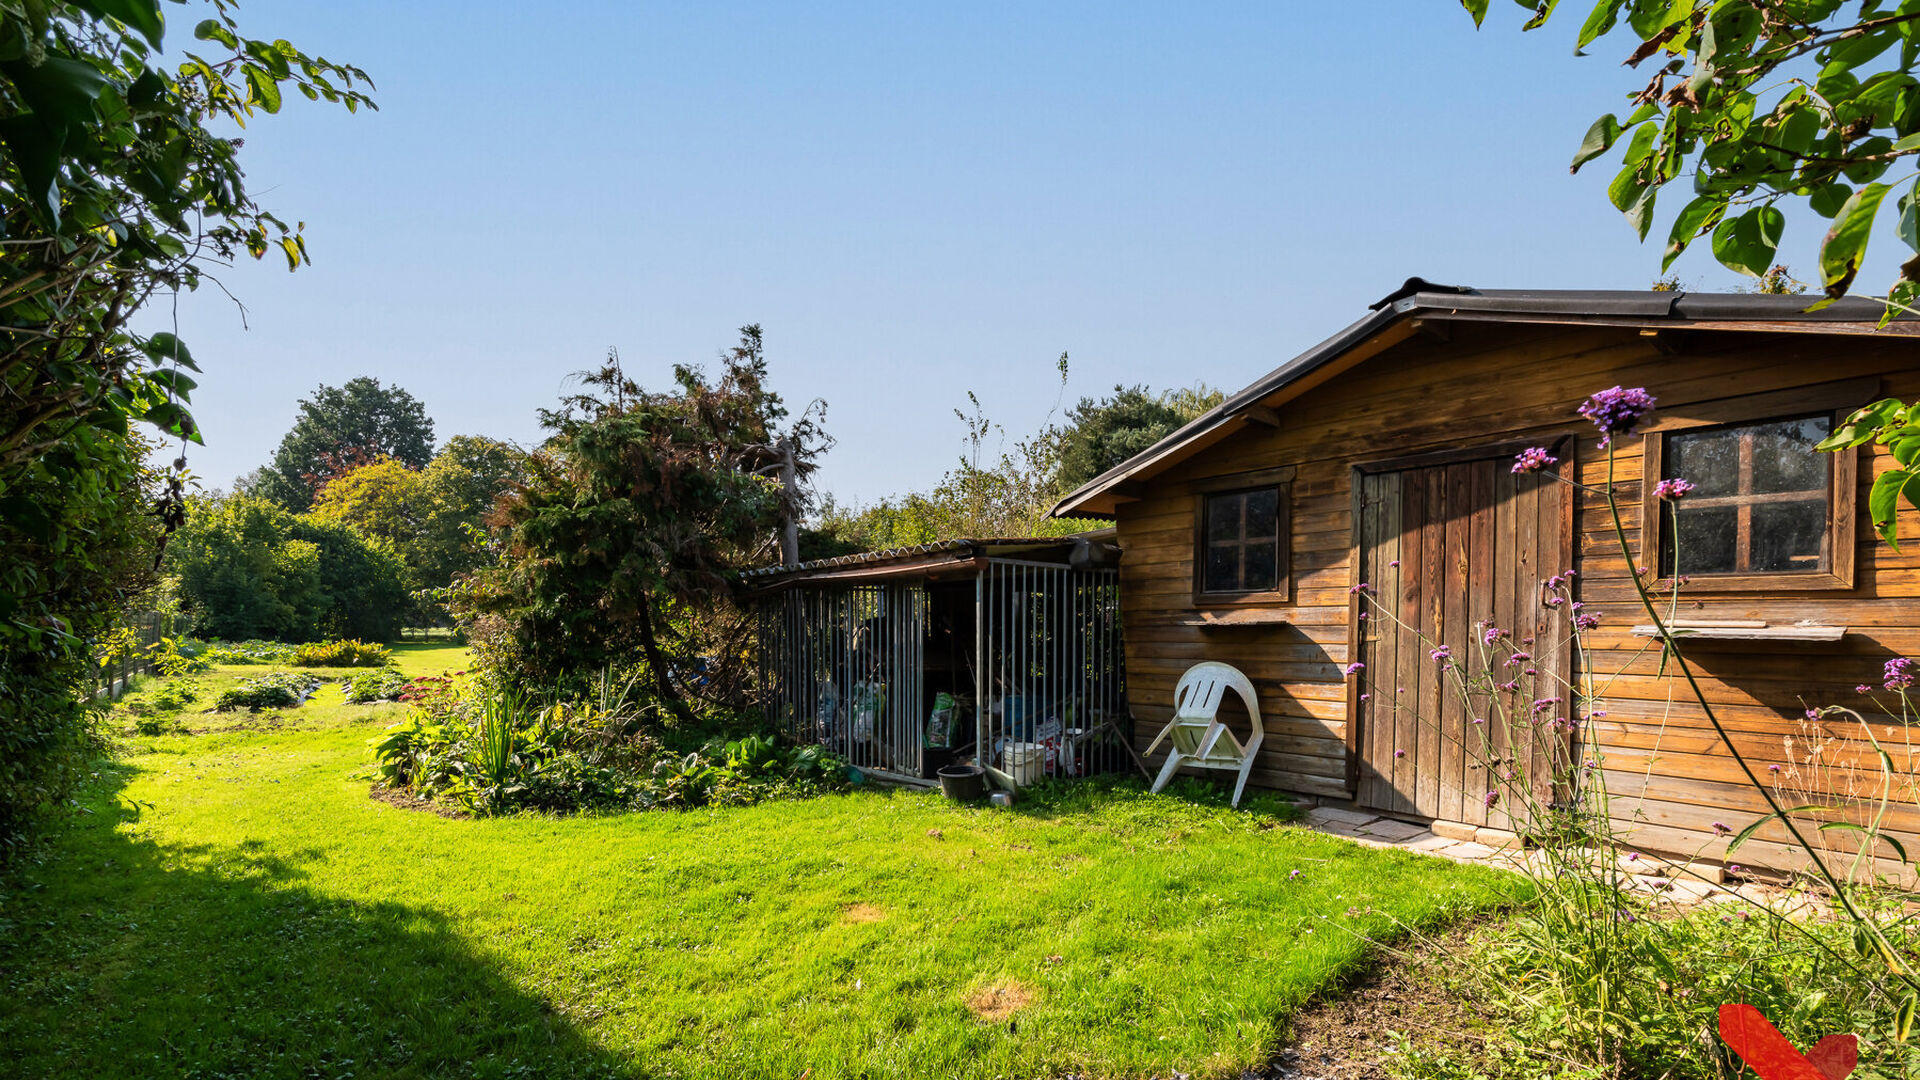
point(1011, 494)
point(433, 518)
point(341, 428)
point(1101, 434)
point(1758, 103)
point(458, 490)
point(119, 179)
point(634, 521)
point(379, 500)
point(248, 569)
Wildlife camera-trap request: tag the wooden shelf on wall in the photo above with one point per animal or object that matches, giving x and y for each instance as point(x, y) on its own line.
point(1208, 620)
point(1742, 630)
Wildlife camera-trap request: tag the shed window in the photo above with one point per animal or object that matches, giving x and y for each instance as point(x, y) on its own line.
point(1243, 547)
point(1762, 501)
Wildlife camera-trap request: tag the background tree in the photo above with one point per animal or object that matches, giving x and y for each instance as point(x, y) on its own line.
point(245, 568)
point(1101, 434)
point(633, 524)
point(1756, 103)
point(458, 490)
point(433, 518)
point(341, 428)
point(1010, 493)
point(120, 178)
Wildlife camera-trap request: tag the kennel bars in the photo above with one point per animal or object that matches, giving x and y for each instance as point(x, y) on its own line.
point(1023, 635)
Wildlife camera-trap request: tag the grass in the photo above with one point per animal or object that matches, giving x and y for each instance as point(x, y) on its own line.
point(232, 903)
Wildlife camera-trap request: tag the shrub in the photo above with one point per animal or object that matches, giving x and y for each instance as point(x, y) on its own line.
point(275, 690)
point(342, 654)
point(174, 695)
point(371, 686)
point(496, 752)
point(247, 652)
point(248, 569)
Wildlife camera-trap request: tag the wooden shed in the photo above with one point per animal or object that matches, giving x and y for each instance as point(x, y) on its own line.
point(1383, 457)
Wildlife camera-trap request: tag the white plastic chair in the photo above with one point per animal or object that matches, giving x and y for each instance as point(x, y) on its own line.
point(1199, 738)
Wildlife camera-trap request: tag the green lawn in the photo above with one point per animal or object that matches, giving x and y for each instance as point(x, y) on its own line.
point(233, 904)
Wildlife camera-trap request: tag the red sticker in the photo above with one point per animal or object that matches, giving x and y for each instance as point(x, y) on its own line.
point(1768, 1053)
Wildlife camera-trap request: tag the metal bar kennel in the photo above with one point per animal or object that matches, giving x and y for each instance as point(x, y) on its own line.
point(1002, 653)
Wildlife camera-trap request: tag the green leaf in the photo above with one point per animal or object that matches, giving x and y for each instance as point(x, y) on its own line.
point(142, 15)
point(1846, 241)
point(1599, 21)
point(1696, 217)
point(1600, 137)
point(1542, 11)
point(1477, 9)
point(1903, 1019)
point(1863, 424)
point(36, 153)
point(1884, 500)
point(179, 384)
point(1747, 833)
point(174, 420)
point(1642, 144)
point(166, 348)
point(1747, 243)
point(265, 92)
point(1827, 199)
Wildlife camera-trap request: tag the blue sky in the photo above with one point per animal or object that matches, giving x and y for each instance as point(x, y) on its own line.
point(914, 201)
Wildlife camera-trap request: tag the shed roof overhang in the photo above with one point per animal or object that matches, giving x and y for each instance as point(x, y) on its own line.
point(936, 559)
point(1419, 305)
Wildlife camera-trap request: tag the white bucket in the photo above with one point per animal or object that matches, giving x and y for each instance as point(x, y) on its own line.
point(1025, 762)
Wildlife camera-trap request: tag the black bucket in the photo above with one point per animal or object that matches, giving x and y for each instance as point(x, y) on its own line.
point(963, 783)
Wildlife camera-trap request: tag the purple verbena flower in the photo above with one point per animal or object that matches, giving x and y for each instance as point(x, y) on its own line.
point(1494, 634)
point(1442, 655)
point(1675, 488)
point(1720, 829)
point(1354, 668)
point(1863, 688)
point(1399, 753)
point(1898, 674)
point(1490, 798)
point(1554, 601)
point(1518, 657)
point(1533, 459)
point(1545, 704)
point(1586, 621)
point(1360, 588)
point(1393, 563)
point(1617, 411)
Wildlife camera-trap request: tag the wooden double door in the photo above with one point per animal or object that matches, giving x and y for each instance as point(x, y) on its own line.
point(1450, 548)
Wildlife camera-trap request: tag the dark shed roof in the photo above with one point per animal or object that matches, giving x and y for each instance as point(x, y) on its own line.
point(921, 559)
point(1392, 319)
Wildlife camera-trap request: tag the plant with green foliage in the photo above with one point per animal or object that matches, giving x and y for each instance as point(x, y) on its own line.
point(339, 429)
point(1100, 434)
point(247, 652)
point(1755, 103)
point(632, 527)
point(274, 690)
point(387, 684)
point(342, 654)
point(119, 179)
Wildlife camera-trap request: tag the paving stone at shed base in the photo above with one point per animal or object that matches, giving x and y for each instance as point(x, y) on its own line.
point(1396, 832)
point(1333, 815)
